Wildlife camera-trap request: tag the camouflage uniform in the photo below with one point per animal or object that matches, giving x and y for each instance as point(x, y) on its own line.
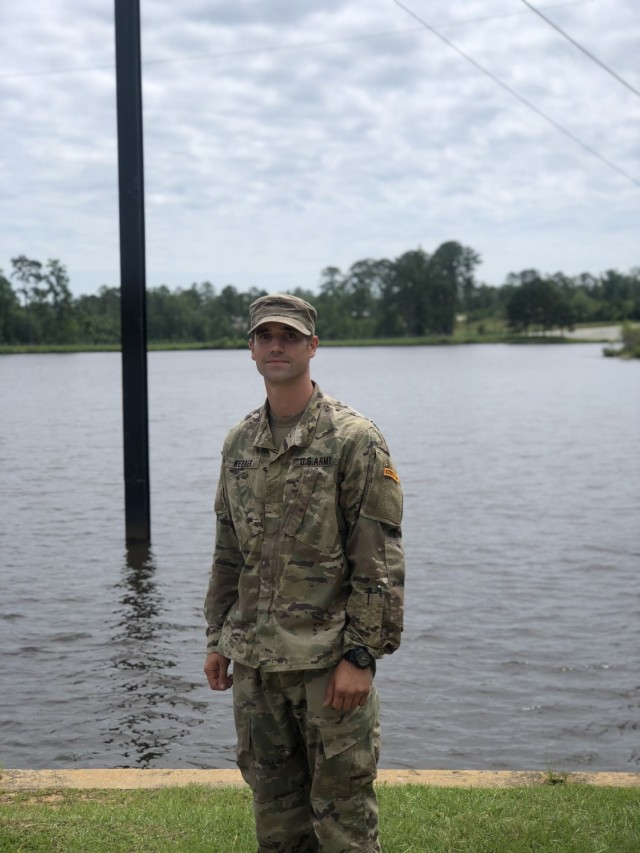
point(308, 564)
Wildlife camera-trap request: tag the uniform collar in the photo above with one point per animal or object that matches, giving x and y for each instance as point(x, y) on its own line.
point(303, 432)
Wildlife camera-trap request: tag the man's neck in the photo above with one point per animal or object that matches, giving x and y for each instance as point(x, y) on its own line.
point(287, 400)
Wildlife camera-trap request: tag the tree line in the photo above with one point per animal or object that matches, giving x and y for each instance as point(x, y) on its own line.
point(414, 296)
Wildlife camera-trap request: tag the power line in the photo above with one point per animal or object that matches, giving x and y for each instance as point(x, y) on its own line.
point(199, 57)
point(275, 48)
point(519, 97)
point(583, 49)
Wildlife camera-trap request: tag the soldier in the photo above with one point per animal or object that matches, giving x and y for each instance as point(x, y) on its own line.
point(306, 593)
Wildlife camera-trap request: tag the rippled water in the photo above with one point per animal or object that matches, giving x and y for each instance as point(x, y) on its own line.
point(521, 473)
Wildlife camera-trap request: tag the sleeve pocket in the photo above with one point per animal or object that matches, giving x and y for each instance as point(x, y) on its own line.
point(383, 499)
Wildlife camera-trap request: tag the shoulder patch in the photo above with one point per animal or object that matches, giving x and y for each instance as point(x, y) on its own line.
point(383, 497)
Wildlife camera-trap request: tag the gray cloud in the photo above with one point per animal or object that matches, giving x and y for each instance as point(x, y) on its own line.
point(281, 138)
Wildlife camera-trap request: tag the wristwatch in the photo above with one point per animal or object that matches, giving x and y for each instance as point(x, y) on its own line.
point(361, 658)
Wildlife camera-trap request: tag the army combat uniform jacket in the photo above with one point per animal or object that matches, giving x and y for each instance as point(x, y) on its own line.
point(308, 560)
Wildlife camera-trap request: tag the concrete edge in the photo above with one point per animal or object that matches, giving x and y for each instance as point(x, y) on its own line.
point(130, 779)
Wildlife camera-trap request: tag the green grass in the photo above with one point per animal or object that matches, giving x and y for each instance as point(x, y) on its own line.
point(630, 343)
point(414, 819)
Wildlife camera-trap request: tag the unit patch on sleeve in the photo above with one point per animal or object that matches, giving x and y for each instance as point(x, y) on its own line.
point(389, 472)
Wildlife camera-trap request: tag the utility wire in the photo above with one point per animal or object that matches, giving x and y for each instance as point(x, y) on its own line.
point(583, 49)
point(273, 48)
point(519, 97)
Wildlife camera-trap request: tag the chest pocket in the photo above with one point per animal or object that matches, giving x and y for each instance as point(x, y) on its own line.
point(312, 518)
point(241, 479)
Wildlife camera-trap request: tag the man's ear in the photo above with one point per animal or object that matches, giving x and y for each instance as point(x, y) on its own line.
point(313, 345)
point(253, 356)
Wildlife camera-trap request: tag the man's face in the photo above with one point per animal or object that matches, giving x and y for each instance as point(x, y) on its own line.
point(281, 353)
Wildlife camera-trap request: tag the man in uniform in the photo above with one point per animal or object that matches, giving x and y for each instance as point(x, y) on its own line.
point(306, 593)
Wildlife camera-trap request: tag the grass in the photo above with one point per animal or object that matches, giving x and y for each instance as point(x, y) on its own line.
point(630, 343)
point(414, 819)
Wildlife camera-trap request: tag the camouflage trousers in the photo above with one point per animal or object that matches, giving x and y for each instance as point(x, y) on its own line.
point(311, 769)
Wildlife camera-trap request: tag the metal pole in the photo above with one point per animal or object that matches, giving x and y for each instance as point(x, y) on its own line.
point(132, 271)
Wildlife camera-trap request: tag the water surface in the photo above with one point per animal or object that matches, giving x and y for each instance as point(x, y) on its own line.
point(521, 474)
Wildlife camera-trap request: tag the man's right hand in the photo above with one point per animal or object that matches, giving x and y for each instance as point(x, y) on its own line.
point(215, 668)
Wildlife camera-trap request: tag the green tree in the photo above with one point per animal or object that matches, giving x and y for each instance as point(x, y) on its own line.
point(98, 316)
point(10, 311)
point(451, 284)
point(584, 308)
point(218, 324)
point(332, 305)
point(537, 302)
point(48, 299)
point(457, 264)
point(365, 283)
point(404, 301)
point(421, 294)
point(29, 275)
point(621, 294)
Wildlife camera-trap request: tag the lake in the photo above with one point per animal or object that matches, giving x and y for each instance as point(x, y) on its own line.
point(521, 472)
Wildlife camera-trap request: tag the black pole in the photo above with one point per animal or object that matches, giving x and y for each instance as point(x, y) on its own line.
point(132, 271)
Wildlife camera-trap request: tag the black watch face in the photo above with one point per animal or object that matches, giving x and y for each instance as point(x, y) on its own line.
point(363, 658)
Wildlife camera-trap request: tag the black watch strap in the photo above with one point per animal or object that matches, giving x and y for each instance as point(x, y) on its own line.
point(361, 658)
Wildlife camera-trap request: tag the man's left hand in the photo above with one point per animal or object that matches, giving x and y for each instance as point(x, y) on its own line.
point(348, 687)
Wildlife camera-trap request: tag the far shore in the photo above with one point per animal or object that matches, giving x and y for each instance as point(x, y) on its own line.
point(595, 334)
point(585, 334)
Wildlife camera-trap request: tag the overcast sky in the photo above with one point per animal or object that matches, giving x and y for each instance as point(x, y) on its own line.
point(285, 136)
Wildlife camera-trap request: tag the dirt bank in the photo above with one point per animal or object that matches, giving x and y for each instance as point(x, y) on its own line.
point(29, 780)
point(602, 334)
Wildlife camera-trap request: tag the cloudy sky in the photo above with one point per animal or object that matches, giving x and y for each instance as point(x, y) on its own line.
point(285, 136)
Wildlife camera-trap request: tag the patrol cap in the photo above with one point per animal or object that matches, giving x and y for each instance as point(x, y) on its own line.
point(283, 308)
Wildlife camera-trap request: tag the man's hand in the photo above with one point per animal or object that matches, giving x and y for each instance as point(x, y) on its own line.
point(349, 687)
point(215, 668)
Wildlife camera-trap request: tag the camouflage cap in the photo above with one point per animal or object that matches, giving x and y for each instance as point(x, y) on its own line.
point(283, 308)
